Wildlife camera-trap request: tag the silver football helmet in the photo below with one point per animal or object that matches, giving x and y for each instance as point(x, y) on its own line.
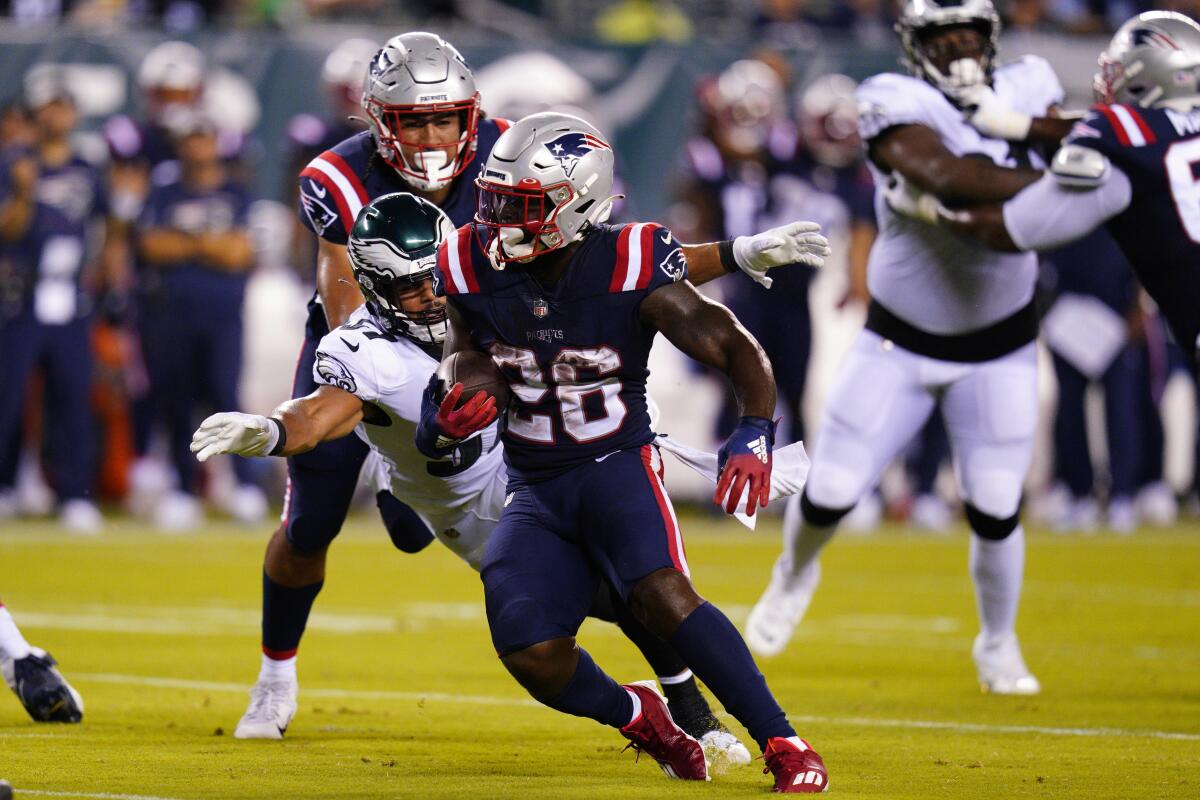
point(416, 75)
point(1152, 60)
point(920, 17)
point(828, 116)
point(547, 182)
point(393, 251)
point(344, 69)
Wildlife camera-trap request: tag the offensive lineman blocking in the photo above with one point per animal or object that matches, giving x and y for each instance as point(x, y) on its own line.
point(951, 325)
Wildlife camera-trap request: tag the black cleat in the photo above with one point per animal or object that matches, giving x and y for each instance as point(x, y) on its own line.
point(42, 689)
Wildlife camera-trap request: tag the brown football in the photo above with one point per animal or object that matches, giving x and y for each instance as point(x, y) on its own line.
point(476, 372)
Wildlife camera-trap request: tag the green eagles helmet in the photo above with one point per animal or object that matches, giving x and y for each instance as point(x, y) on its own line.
point(393, 248)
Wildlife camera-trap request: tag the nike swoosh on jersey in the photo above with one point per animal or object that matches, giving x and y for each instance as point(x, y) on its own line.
point(318, 189)
point(666, 237)
point(353, 347)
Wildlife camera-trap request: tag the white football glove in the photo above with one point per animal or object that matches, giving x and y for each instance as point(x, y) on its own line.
point(231, 432)
point(794, 243)
point(993, 117)
point(910, 201)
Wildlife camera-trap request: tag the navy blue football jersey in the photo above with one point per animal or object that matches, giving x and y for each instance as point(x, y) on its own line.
point(340, 181)
point(574, 354)
point(48, 259)
point(1159, 232)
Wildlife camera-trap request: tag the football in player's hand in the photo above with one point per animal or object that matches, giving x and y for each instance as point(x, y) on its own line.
point(476, 372)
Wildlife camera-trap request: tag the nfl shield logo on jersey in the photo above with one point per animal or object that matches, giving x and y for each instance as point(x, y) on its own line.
point(540, 308)
point(570, 147)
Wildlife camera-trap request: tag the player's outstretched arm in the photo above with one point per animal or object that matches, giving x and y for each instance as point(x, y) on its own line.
point(992, 116)
point(917, 153)
point(335, 283)
point(795, 243)
point(709, 333)
point(1079, 193)
point(296, 426)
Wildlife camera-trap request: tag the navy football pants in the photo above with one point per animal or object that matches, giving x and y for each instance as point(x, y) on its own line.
point(64, 353)
point(609, 519)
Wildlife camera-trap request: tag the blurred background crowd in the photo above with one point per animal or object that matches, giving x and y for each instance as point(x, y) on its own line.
point(152, 268)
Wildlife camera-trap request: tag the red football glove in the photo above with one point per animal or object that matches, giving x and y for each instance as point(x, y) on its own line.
point(474, 415)
point(746, 458)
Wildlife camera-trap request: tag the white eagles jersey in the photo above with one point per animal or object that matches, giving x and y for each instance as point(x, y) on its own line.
point(391, 373)
point(935, 280)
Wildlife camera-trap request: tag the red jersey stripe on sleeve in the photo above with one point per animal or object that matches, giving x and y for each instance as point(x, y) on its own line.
point(443, 266)
point(1140, 121)
point(647, 253)
point(352, 178)
point(621, 267)
point(464, 258)
point(1115, 124)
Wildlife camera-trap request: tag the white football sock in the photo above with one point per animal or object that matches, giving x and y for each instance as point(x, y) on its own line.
point(997, 568)
point(12, 643)
point(277, 669)
point(637, 705)
point(802, 541)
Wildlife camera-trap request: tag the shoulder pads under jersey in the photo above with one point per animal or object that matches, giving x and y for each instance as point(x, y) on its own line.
point(1079, 167)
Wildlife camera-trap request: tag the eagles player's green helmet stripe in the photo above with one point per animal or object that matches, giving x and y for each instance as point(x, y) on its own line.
point(393, 248)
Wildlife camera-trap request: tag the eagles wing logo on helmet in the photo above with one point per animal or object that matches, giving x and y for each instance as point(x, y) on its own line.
point(1152, 38)
point(570, 147)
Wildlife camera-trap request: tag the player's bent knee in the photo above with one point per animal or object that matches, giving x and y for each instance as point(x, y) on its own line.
point(985, 526)
point(821, 516)
point(662, 600)
point(833, 486)
point(545, 668)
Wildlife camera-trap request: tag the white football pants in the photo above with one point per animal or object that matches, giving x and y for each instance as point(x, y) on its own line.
point(884, 394)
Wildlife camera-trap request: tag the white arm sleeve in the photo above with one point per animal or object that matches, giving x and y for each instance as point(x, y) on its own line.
point(1047, 214)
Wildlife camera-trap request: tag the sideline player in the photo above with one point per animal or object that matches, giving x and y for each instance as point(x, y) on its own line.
point(427, 136)
point(568, 306)
point(30, 672)
point(1129, 165)
point(951, 324)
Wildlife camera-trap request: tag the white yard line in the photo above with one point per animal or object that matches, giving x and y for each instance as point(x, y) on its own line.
point(98, 795)
point(859, 722)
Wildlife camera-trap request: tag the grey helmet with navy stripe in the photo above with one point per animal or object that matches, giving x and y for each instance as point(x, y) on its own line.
point(547, 181)
point(919, 17)
point(393, 248)
point(1153, 60)
point(419, 75)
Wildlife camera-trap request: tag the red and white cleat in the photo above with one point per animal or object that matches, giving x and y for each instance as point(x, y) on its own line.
point(796, 766)
point(653, 732)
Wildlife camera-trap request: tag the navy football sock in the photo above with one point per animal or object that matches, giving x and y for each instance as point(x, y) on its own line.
point(591, 693)
point(714, 650)
point(284, 615)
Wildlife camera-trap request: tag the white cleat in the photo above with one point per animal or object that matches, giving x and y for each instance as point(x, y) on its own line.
point(178, 512)
point(724, 750)
point(1001, 668)
point(247, 504)
point(775, 616)
point(272, 706)
point(81, 516)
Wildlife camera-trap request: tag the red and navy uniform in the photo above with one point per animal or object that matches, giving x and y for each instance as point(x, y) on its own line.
point(587, 498)
point(1159, 232)
point(192, 331)
point(45, 319)
point(333, 188)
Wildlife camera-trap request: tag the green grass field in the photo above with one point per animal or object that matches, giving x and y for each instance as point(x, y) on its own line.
point(401, 695)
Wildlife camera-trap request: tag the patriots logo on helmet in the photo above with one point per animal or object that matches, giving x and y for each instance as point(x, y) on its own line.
point(570, 147)
point(1152, 38)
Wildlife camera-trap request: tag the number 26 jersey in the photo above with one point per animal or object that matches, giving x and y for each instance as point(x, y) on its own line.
point(574, 354)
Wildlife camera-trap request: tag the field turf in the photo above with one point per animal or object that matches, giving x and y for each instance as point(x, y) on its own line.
point(402, 697)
